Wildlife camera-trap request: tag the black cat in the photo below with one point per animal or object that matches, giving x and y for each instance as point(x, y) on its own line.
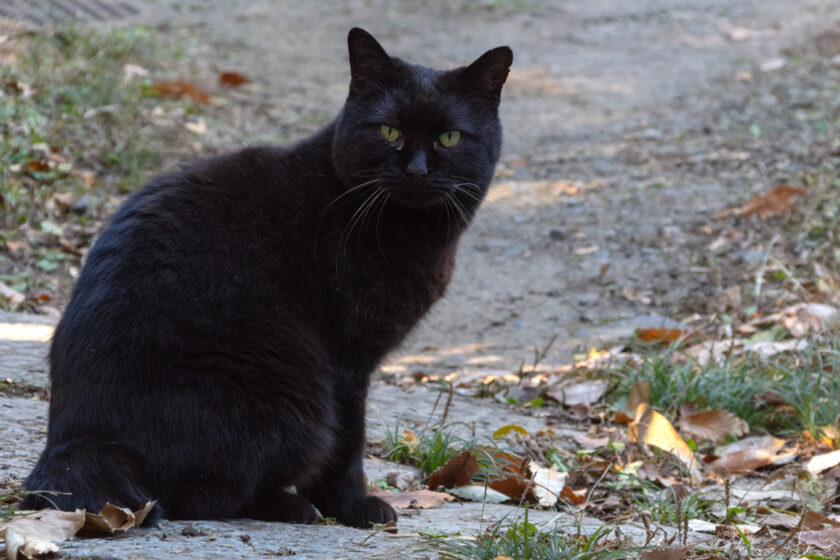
point(219, 342)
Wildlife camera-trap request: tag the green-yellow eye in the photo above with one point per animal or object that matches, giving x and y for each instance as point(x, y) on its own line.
point(449, 139)
point(389, 133)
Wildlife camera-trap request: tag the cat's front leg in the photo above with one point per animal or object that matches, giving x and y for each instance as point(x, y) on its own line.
point(339, 490)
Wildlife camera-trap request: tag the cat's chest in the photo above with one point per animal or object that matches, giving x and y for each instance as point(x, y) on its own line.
point(381, 298)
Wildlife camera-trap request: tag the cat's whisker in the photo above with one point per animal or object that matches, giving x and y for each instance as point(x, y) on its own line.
point(355, 220)
point(378, 222)
point(460, 209)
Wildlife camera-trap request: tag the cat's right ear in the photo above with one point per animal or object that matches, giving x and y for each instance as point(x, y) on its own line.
point(369, 63)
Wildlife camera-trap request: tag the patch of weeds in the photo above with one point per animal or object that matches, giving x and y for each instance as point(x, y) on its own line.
point(808, 383)
point(525, 541)
point(428, 449)
point(74, 127)
point(11, 388)
point(666, 506)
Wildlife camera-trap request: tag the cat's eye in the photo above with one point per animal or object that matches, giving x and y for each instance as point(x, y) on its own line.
point(449, 139)
point(389, 133)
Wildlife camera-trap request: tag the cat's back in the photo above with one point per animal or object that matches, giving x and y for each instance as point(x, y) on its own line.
point(192, 256)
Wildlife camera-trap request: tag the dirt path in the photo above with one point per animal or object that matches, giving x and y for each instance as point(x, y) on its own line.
point(625, 131)
point(614, 150)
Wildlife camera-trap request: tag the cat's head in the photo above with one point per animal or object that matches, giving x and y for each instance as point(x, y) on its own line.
point(421, 135)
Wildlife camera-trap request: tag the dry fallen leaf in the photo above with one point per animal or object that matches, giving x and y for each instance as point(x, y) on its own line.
point(746, 455)
point(576, 498)
point(232, 79)
point(820, 463)
point(38, 530)
point(776, 202)
point(112, 519)
point(663, 335)
point(548, 483)
point(458, 471)
point(583, 393)
point(417, 499)
point(714, 425)
point(828, 539)
point(805, 318)
point(516, 488)
point(177, 89)
point(670, 553)
point(652, 428)
point(505, 430)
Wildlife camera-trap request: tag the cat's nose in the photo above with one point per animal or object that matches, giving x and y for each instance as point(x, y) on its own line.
point(417, 165)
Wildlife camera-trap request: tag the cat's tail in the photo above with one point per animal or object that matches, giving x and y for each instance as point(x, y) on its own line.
point(82, 474)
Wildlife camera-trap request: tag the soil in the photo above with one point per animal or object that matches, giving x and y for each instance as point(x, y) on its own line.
point(625, 133)
point(629, 128)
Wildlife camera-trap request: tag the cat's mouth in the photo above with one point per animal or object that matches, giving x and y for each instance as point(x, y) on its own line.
point(417, 198)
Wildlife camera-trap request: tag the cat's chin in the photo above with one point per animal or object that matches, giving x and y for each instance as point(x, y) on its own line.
point(418, 200)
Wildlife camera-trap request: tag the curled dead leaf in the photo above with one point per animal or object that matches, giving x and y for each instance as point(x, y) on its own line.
point(714, 425)
point(746, 455)
point(828, 539)
point(458, 471)
point(178, 89)
point(576, 498)
point(663, 335)
point(112, 519)
point(417, 499)
point(652, 428)
point(232, 79)
point(776, 202)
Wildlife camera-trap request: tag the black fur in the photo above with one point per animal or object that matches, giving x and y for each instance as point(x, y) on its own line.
point(220, 339)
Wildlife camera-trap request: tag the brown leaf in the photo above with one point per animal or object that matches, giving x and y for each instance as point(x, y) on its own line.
point(516, 488)
point(663, 335)
point(714, 425)
point(232, 79)
point(177, 89)
point(576, 498)
point(62, 201)
point(112, 519)
point(505, 462)
point(816, 520)
point(747, 455)
point(417, 499)
point(654, 429)
point(670, 553)
point(776, 202)
point(457, 472)
point(824, 540)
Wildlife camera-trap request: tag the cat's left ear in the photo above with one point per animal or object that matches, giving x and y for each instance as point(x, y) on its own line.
point(489, 72)
point(369, 63)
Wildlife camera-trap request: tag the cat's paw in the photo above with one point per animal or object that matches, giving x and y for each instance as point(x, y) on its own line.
point(369, 511)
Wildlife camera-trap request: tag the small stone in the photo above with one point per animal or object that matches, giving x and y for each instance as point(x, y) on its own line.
point(80, 206)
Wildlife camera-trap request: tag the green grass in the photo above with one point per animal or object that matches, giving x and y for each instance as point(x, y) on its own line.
point(65, 91)
point(808, 381)
point(526, 541)
point(72, 125)
point(432, 449)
